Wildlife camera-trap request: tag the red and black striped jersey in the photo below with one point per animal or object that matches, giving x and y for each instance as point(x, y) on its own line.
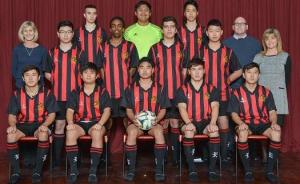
point(252, 107)
point(116, 62)
point(198, 102)
point(192, 40)
point(64, 69)
point(89, 107)
point(33, 109)
point(139, 99)
point(219, 65)
point(90, 42)
point(168, 65)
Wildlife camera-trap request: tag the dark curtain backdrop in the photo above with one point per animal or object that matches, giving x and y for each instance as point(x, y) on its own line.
point(261, 14)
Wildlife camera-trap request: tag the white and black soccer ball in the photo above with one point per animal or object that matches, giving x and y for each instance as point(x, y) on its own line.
point(146, 118)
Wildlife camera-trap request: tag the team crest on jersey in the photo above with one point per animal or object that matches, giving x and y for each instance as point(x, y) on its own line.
point(199, 40)
point(124, 55)
point(99, 39)
point(40, 106)
point(23, 106)
point(226, 59)
point(80, 103)
point(55, 59)
point(179, 55)
point(242, 100)
point(153, 99)
point(262, 98)
point(207, 95)
point(96, 103)
point(74, 59)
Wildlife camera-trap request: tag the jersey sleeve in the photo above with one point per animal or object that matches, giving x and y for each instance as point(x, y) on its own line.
point(270, 103)
point(164, 101)
point(126, 101)
point(105, 100)
point(72, 102)
point(180, 97)
point(234, 64)
point(50, 104)
point(233, 105)
point(214, 96)
point(134, 57)
point(13, 107)
point(48, 63)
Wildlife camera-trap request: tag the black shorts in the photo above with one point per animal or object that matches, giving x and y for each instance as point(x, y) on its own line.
point(200, 126)
point(61, 114)
point(258, 129)
point(28, 128)
point(223, 108)
point(172, 112)
point(116, 109)
point(87, 125)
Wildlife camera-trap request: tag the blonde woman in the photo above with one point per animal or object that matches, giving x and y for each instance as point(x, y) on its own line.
point(27, 52)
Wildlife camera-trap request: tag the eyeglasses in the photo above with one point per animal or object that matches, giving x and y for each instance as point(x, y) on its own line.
point(240, 23)
point(65, 32)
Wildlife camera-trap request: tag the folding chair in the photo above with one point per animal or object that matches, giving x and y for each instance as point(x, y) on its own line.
point(89, 138)
point(252, 138)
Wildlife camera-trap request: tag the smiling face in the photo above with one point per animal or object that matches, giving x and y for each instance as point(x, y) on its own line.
point(271, 41)
point(117, 28)
point(240, 26)
point(28, 33)
point(143, 13)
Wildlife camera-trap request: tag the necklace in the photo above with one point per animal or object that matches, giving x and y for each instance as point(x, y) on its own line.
point(29, 51)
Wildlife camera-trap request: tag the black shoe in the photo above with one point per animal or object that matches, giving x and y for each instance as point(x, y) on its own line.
point(213, 177)
point(159, 177)
point(92, 178)
point(193, 177)
point(248, 177)
point(271, 177)
point(14, 178)
point(36, 178)
point(129, 176)
point(72, 178)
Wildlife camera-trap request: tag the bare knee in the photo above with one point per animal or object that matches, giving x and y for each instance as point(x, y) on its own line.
point(158, 134)
point(71, 137)
point(243, 135)
point(60, 126)
point(275, 136)
point(43, 136)
point(132, 133)
point(12, 137)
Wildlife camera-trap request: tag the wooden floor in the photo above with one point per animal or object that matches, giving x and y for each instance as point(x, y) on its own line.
point(289, 171)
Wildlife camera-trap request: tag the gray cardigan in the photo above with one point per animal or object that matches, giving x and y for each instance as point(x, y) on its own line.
point(272, 76)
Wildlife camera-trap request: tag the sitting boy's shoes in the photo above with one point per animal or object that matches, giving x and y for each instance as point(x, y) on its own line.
point(213, 177)
point(36, 178)
point(129, 176)
point(72, 178)
point(14, 178)
point(193, 177)
point(271, 177)
point(92, 178)
point(248, 177)
point(159, 177)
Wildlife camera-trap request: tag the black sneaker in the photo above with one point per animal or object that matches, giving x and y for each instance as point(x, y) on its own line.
point(92, 178)
point(129, 176)
point(159, 177)
point(213, 177)
point(36, 178)
point(271, 177)
point(72, 178)
point(193, 177)
point(14, 178)
point(248, 177)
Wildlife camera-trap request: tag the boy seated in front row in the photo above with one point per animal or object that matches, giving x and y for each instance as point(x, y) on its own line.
point(253, 109)
point(198, 104)
point(91, 107)
point(31, 111)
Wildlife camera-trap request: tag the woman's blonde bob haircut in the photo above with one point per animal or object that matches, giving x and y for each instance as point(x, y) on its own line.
point(25, 25)
point(268, 32)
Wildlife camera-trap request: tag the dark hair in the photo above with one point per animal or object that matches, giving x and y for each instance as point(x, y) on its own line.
point(90, 6)
point(190, 2)
point(140, 3)
point(30, 67)
point(117, 18)
point(168, 19)
point(250, 66)
point(195, 61)
point(148, 60)
point(64, 23)
point(214, 22)
point(89, 66)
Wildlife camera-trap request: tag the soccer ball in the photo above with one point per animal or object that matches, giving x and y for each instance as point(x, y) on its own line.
point(146, 118)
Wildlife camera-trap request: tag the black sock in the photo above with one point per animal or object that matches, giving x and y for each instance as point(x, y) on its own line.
point(130, 151)
point(214, 150)
point(224, 133)
point(41, 155)
point(273, 155)
point(166, 140)
point(175, 143)
point(72, 155)
point(14, 157)
point(95, 159)
point(189, 150)
point(244, 154)
point(58, 143)
point(159, 152)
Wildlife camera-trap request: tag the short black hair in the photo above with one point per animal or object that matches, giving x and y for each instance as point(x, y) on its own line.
point(168, 19)
point(195, 61)
point(117, 18)
point(250, 66)
point(89, 66)
point(90, 6)
point(140, 3)
point(30, 67)
point(65, 23)
point(215, 22)
point(148, 60)
point(190, 2)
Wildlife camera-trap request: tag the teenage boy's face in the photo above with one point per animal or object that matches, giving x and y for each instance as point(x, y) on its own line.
point(90, 15)
point(145, 70)
point(28, 33)
point(214, 33)
point(169, 29)
point(143, 13)
point(116, 28)
point(65, 34)
point(31, 78)
point(196, 72)
point(190, 13)
point(89, 76)
point(251, 76)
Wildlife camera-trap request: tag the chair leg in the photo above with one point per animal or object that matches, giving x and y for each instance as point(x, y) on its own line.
point(277, 167)
point(180, 156)
point(51, 161)
point(106, 156)
point(220, 165)
point(9, 171)
point(123, 160)
point(66, 166)
point(236, 158)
